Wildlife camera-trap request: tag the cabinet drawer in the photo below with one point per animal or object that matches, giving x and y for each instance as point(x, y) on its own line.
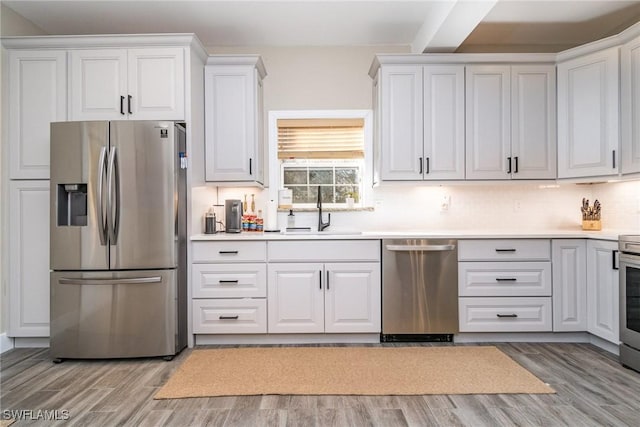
point(229, 280)
point(229, 251)
point(523, 279)
point(229, 316)
point(501, 314)
point(325, 250)
point(505, 250)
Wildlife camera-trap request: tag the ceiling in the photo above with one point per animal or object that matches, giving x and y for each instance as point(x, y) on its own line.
point(426, 26)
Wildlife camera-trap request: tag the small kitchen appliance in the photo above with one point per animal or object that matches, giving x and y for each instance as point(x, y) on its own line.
point(629, 266)
point(233, 216)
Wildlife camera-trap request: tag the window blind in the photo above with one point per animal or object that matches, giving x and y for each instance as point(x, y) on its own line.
point(320, 138)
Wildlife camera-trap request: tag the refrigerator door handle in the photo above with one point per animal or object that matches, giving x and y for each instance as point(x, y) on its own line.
point(133, 281)
point(102, 230)
point(113, 180)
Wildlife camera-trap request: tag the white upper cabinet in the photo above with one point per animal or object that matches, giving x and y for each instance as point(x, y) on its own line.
point(588, 126)
point(156, 83)
point(120, 84)
point(488, 98)
point(37, 97)
point(630, 101)
point(400, 106)
point(421, 122)
point(510, 122)
point(234, 135)
point(533, 121)
point(443, 103)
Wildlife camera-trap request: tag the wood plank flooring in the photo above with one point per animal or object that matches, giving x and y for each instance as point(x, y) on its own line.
point(593, 389)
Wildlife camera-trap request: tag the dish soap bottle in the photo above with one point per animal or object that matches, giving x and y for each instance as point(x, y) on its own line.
point(291, 219)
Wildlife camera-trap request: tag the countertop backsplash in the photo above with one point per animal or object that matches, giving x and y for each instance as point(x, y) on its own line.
point(527, 206)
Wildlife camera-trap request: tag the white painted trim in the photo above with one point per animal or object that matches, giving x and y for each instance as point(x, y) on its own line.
point(605, 345)
point(459, 58)
point(612, 41)
point(252, 60)
point(6, 343)
point(487, 337)
point(555, 337)
point(97, 40)
point(31, 342)
point(288, 339)
point(272, 132)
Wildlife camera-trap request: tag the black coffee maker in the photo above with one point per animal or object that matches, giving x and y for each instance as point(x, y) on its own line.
point(233, 216)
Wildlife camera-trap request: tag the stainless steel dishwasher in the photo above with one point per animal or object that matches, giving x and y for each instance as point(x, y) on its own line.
point(419, 289)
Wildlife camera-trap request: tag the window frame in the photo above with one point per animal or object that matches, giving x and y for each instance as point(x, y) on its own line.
point(275, 170)
point(319, 163)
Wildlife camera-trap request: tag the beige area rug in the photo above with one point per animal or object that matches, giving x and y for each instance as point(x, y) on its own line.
point(348, 371)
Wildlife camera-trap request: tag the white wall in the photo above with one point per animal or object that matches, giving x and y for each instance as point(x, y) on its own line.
point(11, 24)
point(316, 78)
point(496, 206)
point(620, 204)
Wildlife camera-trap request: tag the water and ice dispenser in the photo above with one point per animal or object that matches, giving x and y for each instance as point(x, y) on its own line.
point(72, 204)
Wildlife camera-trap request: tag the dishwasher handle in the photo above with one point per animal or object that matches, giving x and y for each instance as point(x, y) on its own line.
point(420, 248)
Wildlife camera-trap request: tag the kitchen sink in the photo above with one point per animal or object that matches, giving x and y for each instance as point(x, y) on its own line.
point(309, 232)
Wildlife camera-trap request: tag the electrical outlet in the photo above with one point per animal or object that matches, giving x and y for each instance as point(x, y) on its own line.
point(446, 202)
point(517, 205)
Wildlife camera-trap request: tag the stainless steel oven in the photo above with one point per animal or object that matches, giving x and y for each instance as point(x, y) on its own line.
point(629, 247)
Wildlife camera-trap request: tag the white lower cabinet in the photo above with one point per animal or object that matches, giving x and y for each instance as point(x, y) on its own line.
point(230, 316)
point(317, 297)
point(313, 289)
point(229, 288)
point(296, 298)
point(569, 257)
point(602, 290)
point(504, 285)
point(28, 259)
point(521, 314)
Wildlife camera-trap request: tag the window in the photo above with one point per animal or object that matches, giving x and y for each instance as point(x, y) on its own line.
point(326, 153)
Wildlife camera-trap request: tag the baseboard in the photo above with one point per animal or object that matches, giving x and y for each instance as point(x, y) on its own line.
point(205, 339)
point(6, 343)
point(489, 337)
point(31, 342)
point(605, 345)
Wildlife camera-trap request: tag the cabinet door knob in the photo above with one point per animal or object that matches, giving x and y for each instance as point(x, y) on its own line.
point(509, 163)
point(129, 104)
point(122, 105)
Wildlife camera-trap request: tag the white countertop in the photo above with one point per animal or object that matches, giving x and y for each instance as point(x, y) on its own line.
point(605, 234)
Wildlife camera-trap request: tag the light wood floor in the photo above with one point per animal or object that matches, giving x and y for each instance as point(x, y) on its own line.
point(593, 389)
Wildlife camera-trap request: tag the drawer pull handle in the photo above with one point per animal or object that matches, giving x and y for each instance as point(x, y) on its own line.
point(228, 252)
point(506, 279)
point(505, 250)
point(228, 281)
point(228, 317)
point(507, 315)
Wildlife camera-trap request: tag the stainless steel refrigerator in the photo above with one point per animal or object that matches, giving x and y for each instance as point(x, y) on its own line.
point(118, 239)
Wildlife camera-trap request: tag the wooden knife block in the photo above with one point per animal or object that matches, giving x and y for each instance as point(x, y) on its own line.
point(595, 225)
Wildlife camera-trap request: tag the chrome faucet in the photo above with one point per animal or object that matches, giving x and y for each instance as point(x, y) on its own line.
point(322, 225)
